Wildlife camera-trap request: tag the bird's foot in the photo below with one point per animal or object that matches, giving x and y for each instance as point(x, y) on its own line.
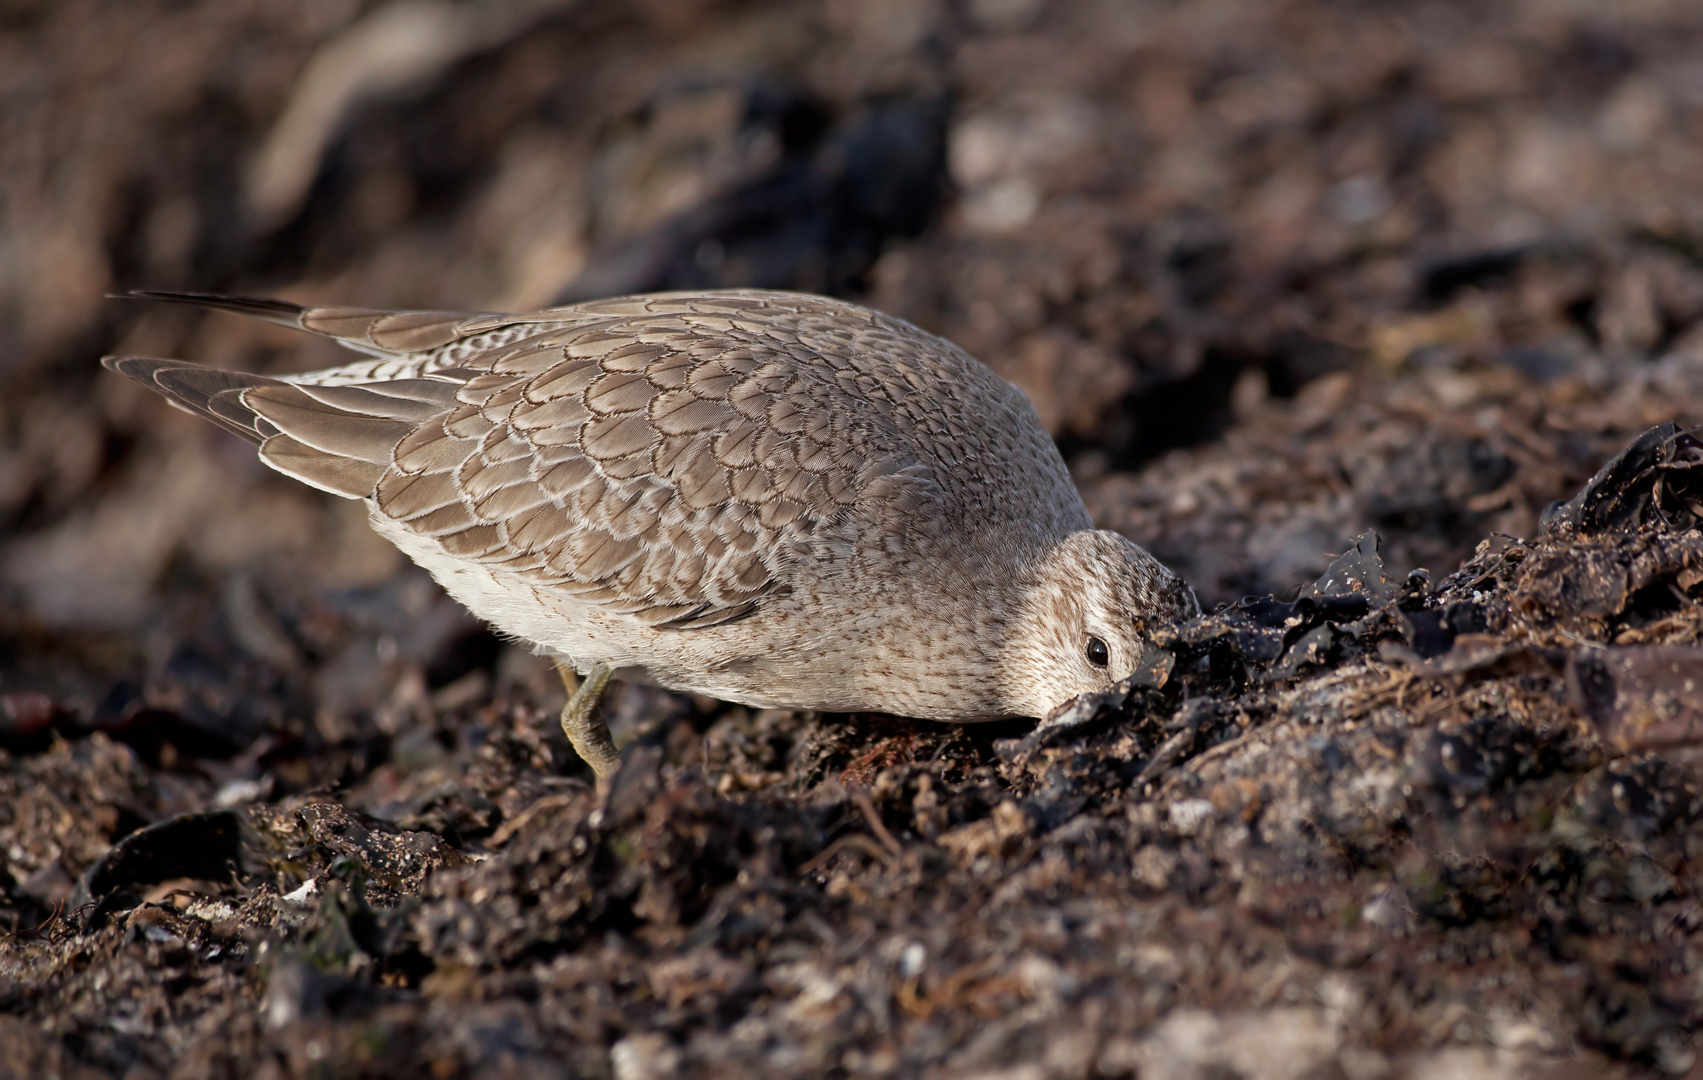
point(589, 734)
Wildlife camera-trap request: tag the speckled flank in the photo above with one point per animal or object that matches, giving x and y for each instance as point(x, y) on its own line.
point(771, 498)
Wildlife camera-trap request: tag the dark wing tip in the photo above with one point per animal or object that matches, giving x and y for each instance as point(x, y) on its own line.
point(145, 369)
point(279, 311)
point(208, 392)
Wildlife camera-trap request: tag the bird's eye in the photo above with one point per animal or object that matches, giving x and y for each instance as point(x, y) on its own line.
point(1097, 653)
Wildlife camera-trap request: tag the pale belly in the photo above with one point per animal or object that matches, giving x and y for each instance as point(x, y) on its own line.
point(847, 660)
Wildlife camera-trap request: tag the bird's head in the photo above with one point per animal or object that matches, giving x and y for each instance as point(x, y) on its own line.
point(1085, 617)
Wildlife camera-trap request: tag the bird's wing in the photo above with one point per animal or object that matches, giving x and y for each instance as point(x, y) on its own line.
point(667, 467)
point(672, 457)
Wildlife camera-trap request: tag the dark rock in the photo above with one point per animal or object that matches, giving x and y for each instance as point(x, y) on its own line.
point(205, 846)
point(1656, 477)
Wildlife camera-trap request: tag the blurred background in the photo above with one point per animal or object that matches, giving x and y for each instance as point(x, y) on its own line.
point(1273, 272)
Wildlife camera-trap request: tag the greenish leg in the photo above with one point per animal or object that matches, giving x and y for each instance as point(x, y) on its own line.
point(589, 734)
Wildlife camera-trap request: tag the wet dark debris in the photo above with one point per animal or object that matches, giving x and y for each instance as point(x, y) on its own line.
point(1387, 783)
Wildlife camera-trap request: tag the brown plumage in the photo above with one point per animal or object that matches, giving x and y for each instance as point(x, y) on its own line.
point(773, 498)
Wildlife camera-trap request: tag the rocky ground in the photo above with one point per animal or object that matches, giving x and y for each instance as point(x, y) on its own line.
point(1326, 303)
